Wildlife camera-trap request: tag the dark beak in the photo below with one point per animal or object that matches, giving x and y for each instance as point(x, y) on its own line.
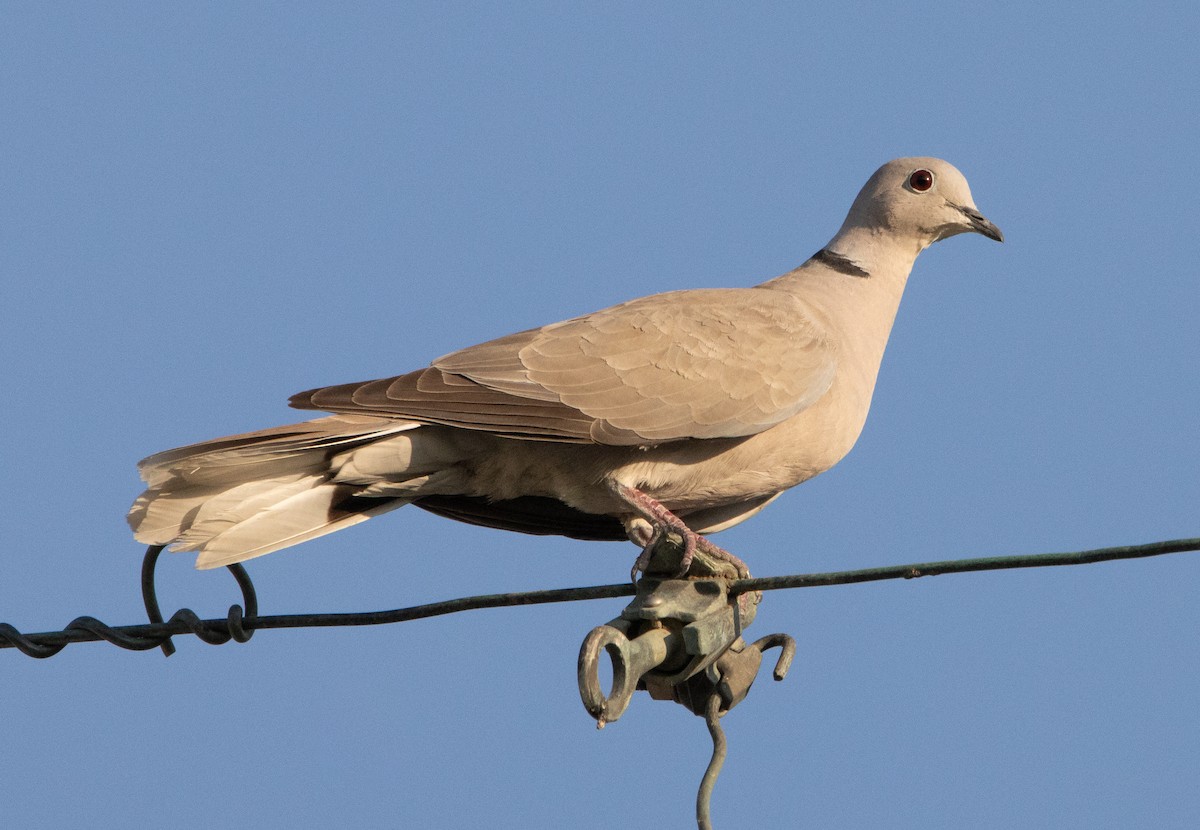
point(980, 224)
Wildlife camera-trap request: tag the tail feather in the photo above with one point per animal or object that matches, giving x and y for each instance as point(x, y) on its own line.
point(243, 496)
point(158, 517)
point(268, 452)
point(297, 518)
point(239, 504)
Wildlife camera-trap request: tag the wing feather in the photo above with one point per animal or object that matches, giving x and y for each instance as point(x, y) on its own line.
point(709, 363)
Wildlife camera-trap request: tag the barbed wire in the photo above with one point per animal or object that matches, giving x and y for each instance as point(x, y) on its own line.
point(243, 620)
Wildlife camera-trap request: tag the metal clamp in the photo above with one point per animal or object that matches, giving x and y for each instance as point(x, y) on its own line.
point(673, 630)
point(731, 676)
point(680, 640)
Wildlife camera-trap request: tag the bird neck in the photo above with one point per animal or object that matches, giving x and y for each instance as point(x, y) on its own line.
point(876, 251)
point(860, 264)
point(854, 285)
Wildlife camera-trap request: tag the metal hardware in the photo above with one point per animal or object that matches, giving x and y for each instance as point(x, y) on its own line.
point(680, 640)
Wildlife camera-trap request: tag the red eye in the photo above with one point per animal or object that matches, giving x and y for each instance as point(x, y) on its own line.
point(921, 181)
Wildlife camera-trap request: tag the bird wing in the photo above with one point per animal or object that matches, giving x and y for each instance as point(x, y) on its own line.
point(707, 363)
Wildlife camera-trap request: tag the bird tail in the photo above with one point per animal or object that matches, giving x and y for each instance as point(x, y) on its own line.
point(243, 496)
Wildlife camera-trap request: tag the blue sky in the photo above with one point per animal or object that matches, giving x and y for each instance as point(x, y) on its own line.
point(206, 208)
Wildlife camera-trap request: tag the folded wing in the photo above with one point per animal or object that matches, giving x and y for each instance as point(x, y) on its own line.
point(711, 363)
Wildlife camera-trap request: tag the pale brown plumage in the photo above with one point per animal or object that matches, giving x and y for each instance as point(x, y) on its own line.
point(701, 404)
point(715, 363)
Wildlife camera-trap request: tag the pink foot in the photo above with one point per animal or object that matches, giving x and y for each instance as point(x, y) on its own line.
point(663, 521)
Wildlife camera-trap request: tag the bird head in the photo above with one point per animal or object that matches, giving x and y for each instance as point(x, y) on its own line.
point(922, 198)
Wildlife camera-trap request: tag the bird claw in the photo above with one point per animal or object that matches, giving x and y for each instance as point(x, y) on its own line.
point(641, 563)
point(685, 561)
point(655, 523)
point(721, 555)
point(687, 541)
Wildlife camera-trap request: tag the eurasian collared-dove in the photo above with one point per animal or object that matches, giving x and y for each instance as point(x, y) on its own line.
point(684, 412)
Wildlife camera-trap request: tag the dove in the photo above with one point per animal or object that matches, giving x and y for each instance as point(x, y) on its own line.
point(683, 413)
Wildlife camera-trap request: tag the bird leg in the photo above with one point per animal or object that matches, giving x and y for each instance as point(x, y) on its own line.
point(656, 522)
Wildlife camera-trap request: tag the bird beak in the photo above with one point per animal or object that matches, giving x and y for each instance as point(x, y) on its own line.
point(978, 223)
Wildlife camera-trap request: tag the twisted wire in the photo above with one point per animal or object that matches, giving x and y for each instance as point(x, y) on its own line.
point(243, 620)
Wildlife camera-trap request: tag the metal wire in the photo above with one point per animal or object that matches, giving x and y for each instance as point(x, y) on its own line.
point(712, 717)
point(239, 625)
point(988, 563)
point(233, 621)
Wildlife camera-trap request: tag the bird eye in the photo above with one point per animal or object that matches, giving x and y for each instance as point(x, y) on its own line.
point(920, 181)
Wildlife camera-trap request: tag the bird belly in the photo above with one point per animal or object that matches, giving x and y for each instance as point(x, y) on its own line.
point(687, 475)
